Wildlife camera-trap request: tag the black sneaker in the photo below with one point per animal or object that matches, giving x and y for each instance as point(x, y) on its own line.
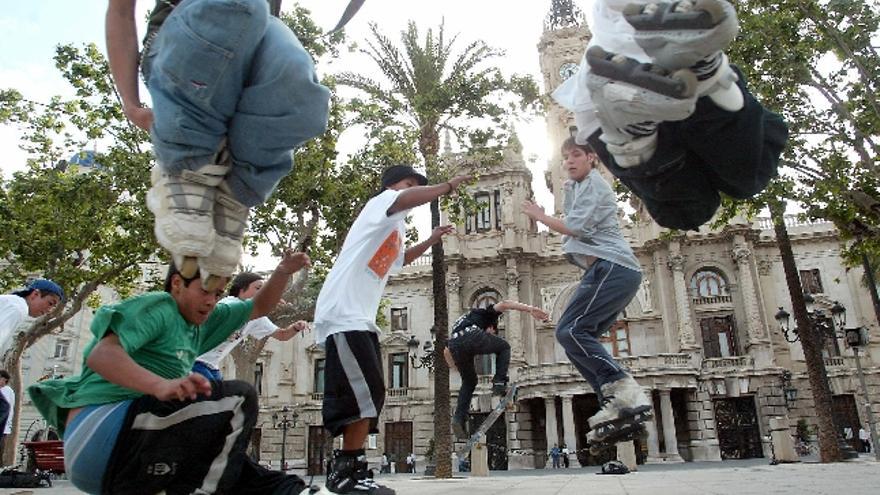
point(348, 474)
point(459, 427)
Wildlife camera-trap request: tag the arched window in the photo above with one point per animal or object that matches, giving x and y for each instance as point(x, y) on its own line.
point(485, 298)
point(707, 282)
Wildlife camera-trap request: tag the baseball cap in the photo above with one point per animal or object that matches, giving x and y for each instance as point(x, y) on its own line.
point(397, 173)
point(45, 285)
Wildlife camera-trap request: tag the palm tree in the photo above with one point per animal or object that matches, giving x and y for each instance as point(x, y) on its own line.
point(430, 90)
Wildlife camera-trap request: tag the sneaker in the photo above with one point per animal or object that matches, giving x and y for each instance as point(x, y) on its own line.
point(459, 427)
point(623, 400)
point(348, 474)
point(230, 220)
point(693, 35)
point(632, 98)
point(183, 205)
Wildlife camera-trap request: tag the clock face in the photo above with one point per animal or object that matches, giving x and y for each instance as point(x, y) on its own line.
point(567, 70)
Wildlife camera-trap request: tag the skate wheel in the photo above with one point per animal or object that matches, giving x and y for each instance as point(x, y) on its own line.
point(187, 266)
point(688, 81)
point(213, 283)
point(715, 9)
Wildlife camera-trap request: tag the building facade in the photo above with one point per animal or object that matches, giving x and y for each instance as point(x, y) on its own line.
point(700, 335)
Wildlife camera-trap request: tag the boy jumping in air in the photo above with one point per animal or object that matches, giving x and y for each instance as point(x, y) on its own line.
point(345, 319)
point(476, 333)
point(593, 241)
point(233, 94)
point(659, 102)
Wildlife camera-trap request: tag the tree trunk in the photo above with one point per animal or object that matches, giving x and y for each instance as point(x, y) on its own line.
point(442, 412)
point(811, 341)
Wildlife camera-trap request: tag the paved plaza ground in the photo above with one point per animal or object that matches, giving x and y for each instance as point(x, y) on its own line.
point(753, 477)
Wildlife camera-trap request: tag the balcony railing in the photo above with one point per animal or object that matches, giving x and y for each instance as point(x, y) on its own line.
point(729, 362)
point(563, 371)
point(423, 260)
point(399, 393)
point(703, 301)
point(318, 396)
point(840, 362)
point(765, 223)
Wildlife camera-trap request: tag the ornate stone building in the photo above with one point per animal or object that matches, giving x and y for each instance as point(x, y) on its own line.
point(700, 335)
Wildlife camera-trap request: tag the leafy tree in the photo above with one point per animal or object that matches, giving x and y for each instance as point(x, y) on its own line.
point(428, 89)
point(813, 62)
point(83, 227)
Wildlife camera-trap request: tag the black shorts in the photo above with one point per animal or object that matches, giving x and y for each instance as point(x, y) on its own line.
point(354, 385)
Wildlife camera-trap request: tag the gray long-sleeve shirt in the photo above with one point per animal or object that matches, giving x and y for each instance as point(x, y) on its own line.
point(591, 214)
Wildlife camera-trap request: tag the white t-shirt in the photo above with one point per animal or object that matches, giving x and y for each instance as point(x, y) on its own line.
point(13, 311)
point(372, 250)
point(9, 395)
point(863, 434)
point(258, 328)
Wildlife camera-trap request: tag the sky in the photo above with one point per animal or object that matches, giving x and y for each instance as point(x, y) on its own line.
point(32, 30)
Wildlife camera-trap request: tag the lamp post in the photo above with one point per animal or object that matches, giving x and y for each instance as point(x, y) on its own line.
point(287, 419)
point(819, 322)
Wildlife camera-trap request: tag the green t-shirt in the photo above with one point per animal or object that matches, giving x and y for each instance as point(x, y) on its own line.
point(153, 332)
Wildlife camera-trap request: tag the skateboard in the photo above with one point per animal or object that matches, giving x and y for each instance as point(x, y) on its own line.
point(489, 421)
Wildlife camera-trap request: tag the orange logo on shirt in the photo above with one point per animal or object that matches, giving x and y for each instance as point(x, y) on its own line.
point(384, 257)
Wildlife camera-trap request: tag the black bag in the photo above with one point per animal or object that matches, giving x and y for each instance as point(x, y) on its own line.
point(614, 467)
point(12, 478)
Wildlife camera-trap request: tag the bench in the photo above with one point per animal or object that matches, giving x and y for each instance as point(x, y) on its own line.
point(46, 456)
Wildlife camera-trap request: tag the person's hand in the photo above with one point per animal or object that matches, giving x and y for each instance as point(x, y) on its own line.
point(440, 231)
point(292, 262)
point(291, 330)
point(539, 314)
point(532, 210)
point(139, 116)
point(186, 388)
point(457, 180)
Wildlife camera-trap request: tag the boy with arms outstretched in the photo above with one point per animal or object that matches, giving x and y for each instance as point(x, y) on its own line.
point(476, 333)
point(593, 241)
point(345, 319)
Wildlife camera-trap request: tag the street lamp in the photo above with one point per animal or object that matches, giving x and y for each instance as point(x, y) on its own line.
point(788, 390)
point(818, 322)
point(287, 419)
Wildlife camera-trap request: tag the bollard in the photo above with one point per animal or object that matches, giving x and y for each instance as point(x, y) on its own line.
point(480, 458)
point(780, 437)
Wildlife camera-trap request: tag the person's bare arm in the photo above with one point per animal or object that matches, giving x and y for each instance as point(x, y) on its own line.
point(270, 293)
point(537, 214)
point(122, 54)
point(110, 360)
point(536, 312)
point(415, 251)
point(419, 195)
point(290, 331)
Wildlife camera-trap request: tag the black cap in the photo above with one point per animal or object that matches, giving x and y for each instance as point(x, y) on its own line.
point(397, 173)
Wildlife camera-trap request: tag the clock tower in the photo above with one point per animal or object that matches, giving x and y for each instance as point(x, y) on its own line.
point(561, 48)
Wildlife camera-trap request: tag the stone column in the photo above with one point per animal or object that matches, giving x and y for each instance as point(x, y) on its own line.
point(653, 438)
point(686, 336)
point(669, 436)
point(742, 256)
point(514, 318)
point(550, 426)
point(568, 433)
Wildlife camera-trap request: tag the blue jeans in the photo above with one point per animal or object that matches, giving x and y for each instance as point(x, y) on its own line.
point(227, 69)
point(207, 371)
point(604, 292)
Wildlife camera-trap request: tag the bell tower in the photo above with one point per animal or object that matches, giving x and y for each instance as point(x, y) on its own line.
point(560, 50)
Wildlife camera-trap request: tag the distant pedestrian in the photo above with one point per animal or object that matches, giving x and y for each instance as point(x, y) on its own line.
point(412, 463)
point(7, 411)
point(554, 455)
point(565, 453)
point(865, 438)
point(385, 467)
